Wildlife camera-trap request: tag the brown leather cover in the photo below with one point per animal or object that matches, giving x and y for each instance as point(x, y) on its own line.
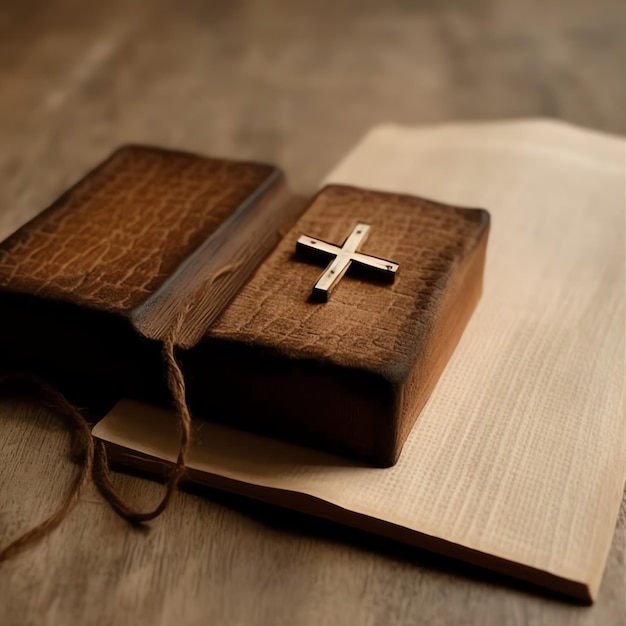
point(352, 375)
point(90, 287)
point(78, 281)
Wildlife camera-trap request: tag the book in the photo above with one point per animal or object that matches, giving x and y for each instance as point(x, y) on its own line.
point(518, 461)
point(154, 243)
point(142, 225)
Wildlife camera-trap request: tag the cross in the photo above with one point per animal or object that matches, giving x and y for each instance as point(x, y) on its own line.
point(344, 257)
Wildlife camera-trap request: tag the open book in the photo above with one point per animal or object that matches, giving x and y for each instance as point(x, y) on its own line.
point(518, 461)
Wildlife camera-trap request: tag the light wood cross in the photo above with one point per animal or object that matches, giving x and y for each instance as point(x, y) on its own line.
point(345, 257)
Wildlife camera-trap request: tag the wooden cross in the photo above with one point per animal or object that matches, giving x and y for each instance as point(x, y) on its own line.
point(345, 257)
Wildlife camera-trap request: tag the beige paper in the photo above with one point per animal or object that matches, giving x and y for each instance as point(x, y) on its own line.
point(518, 461)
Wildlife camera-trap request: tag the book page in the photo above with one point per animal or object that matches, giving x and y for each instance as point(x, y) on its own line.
point(518, 460)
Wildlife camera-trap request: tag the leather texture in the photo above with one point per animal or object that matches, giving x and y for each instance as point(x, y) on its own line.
point(353, 374)
point(78, 283)
point(114, 238)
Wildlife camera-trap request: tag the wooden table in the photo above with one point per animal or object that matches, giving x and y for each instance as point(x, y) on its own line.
point(296, 84)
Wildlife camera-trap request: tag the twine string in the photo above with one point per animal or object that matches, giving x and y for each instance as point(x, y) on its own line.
point(95, 464)
point(93, 458)
point(102, 473)
point(83, 444)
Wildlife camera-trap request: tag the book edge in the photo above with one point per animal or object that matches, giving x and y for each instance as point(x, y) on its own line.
point(581, 591)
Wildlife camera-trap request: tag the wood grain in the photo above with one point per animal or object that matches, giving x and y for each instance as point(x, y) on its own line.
point(287, 84)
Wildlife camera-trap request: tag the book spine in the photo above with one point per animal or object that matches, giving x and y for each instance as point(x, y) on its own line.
point(205, 283)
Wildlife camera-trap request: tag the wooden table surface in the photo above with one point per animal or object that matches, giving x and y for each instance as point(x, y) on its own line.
point(294, 83)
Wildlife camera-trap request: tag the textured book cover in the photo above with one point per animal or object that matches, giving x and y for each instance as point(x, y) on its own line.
point(135, 239)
